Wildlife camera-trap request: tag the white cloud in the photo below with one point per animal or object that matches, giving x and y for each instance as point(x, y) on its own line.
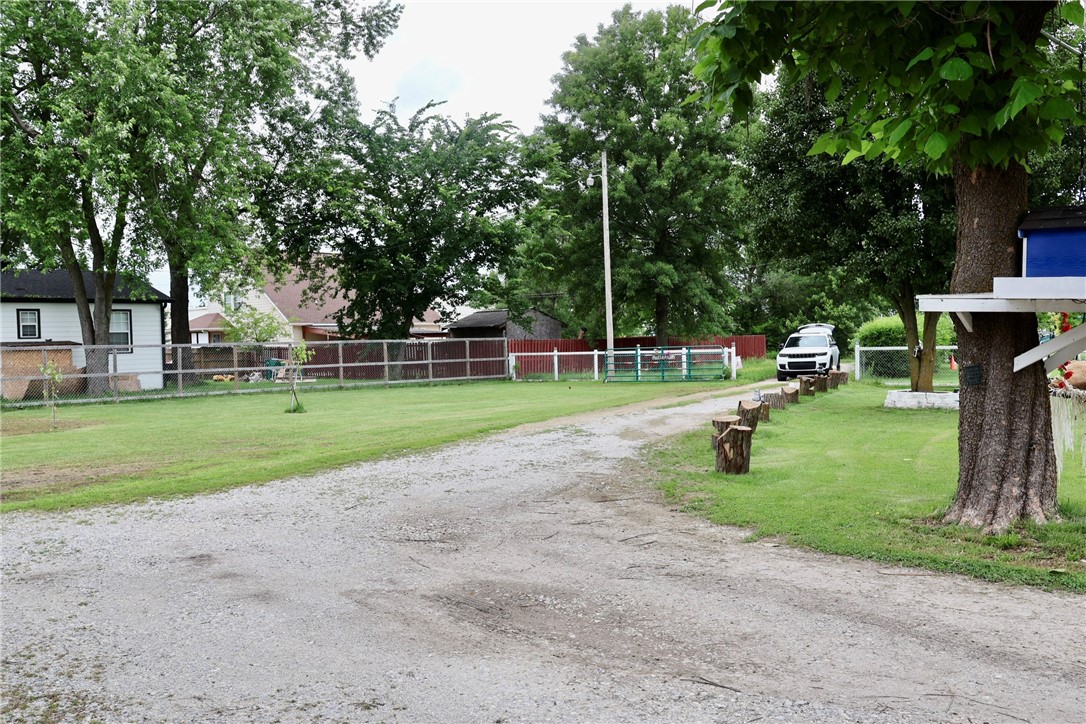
point(480, 57)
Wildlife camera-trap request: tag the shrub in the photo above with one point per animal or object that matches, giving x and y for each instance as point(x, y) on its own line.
point(890, 332)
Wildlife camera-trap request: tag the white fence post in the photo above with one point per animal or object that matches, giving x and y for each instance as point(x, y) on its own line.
point(857, 359)
point(513, 366)
point(596, 365)
point(555, 364)
point(734, 365)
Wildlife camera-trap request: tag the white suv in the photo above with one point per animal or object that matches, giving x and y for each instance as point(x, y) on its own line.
point(810, 351)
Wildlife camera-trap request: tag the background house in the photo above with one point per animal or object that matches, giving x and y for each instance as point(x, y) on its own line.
point(302, 318)
point(37, 309)
point(496, 323)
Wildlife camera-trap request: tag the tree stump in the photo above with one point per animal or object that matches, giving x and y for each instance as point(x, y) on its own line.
point(806, 386)
point(821, 384)
point(721, 424)
point(749, 412)
point(790, 395)
point(733, 450)
point(841, 377)
point(775, 400)
point(832, 381)
point(763, 411)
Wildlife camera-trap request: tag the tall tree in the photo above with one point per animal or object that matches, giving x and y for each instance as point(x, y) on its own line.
point(73, 102)
point(400, 216)
point(888, 230)
point(141, 115)
point(970, 89)
point(670, 166)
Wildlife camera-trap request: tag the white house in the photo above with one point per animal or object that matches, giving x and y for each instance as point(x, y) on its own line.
point(302, 318)
point(37, 310)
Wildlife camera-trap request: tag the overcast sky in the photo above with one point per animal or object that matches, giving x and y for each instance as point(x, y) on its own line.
point(480, 57)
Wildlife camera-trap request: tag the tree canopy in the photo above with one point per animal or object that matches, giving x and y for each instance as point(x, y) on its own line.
point(971, 89)
point(405, 215)
point(670, 175)
point(882, 230)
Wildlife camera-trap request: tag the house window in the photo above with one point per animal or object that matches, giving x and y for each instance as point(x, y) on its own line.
point(120, 330)
point(232, 301)
point(29, 324)
point(216, 337)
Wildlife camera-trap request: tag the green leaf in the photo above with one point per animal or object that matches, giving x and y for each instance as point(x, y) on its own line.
point(1058, 108)
point(1027, 92)
point(970, 124)
point(936, 145)
point(924, 54)
point(826, 143)
point(833, 90)
point(851, 156)
point(956, 69)
point(705, 6)
point(966, 40)
point(1073, 13)
point(899, 132)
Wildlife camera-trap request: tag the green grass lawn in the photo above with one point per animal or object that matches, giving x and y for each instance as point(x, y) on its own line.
point(116, 453)
point(842, 474)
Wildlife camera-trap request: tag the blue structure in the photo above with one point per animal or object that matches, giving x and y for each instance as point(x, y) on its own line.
point(1054, 242)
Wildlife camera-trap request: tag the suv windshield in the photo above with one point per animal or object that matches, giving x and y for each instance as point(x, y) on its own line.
point(807, 340)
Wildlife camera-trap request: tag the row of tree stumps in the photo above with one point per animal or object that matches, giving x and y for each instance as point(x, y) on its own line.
point(733, 434)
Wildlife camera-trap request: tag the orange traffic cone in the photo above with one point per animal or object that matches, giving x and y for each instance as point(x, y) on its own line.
point(953, 363)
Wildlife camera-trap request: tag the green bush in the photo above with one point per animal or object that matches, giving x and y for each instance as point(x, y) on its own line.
point(890, 332)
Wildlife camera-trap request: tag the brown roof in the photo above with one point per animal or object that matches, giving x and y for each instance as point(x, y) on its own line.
point(290, 294)
point(207, 322)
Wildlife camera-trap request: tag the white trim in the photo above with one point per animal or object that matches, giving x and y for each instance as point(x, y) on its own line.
point(1062, 347)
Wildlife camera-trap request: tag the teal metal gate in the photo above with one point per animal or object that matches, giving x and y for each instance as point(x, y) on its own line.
point(667, 364)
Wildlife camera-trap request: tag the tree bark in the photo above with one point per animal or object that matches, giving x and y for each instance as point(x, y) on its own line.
point(1007, 466)
point(921, 344)
point(733, 450)
point(661, 319)
point(749, 413)
point(790, 395)
point(806, 385)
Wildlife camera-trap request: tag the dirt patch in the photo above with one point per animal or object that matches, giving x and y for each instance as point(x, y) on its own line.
point(18, 425)
point(32, 482)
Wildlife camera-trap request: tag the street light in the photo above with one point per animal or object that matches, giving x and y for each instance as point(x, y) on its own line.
point(607, 269)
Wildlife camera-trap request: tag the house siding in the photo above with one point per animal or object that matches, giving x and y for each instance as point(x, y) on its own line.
point(259, 301)
point(60, 323)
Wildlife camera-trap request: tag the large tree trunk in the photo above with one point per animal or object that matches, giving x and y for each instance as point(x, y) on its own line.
point(660, 319)
point(921, 345)
point(1007, 466)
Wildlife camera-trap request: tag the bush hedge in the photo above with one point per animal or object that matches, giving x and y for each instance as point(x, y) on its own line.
point(890, 332)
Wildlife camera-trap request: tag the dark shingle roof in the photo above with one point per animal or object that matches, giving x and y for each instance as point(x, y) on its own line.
point(1055, 217)
point(56, 286)
point(492, 318)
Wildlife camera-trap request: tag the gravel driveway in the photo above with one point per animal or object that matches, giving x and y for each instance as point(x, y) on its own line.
point(525, 576)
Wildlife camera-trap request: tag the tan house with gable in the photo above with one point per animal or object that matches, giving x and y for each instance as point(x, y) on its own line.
point(312, 321)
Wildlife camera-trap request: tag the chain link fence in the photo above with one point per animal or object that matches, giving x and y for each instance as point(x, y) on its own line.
point(890, 365)
point(34, 375)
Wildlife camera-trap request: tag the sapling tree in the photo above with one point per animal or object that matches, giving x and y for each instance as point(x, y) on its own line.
point(300, 354)
point(53, 378)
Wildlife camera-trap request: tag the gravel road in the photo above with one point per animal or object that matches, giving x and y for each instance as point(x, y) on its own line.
point(525, 576)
